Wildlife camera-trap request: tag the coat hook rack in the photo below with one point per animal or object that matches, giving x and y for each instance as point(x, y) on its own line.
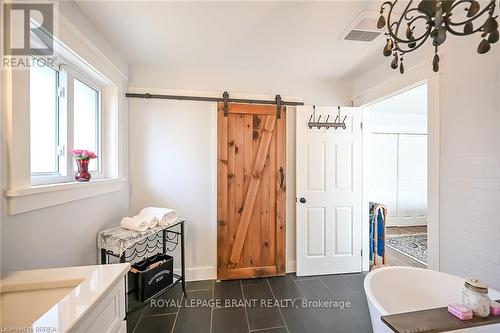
point(313, 122)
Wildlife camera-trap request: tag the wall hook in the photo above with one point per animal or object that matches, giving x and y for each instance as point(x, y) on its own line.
point(317, 123)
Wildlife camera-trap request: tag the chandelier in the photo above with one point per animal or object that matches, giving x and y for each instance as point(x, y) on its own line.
point(438, 18)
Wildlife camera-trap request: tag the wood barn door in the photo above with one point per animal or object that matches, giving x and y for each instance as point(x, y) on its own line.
point(251, 190)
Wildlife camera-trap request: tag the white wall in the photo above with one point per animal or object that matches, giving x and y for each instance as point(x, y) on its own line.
point(184, 134)
point(314, 91)
point(65, 235)
point(470, 156)
point(173, 164)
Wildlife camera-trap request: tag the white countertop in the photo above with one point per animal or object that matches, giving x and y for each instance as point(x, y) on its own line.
point(55, 298)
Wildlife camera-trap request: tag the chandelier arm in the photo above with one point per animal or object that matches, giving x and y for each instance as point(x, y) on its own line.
point(458, 3)
point(489, 8)
point(428, 22)
point(387, 3)
point(425, 36)
point(401, 18)
point(450, 24)
point(457, 33)
point(406, 41)
point(391, 5)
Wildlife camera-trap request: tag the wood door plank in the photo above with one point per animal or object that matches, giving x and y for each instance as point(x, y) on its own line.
point(273, 167)
point(247, 253)
point(254, 234)
point(231, 162)
point(221, 192)
point(238, 172)
point(266, 242)
point(281, 196)
point(271, 190)
point(252, 190)
point(266, 110)
point(250, 272)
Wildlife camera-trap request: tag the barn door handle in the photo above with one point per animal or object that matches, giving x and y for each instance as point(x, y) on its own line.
point(282, 179)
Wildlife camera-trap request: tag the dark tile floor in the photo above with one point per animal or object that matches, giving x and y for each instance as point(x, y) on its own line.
point(268, 305)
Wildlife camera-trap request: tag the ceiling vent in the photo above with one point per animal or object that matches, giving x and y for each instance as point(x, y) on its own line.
point(363, 29)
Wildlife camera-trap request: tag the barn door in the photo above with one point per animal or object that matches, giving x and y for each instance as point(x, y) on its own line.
point(250, 191)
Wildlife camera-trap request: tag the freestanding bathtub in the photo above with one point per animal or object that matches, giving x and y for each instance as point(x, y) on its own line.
point(398, 289)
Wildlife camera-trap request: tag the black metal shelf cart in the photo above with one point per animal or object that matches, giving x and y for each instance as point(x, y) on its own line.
point(130, 246)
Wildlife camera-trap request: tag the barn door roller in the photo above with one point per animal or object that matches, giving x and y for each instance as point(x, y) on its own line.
point(278, 106)
point(225, 97)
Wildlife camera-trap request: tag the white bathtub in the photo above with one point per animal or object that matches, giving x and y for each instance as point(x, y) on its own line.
point(398, 289)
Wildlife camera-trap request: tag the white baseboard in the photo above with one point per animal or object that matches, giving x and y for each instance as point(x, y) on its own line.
point(199, 273)
point(210, 272)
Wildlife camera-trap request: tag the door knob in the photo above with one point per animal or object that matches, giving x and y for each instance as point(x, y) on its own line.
point(302, 200)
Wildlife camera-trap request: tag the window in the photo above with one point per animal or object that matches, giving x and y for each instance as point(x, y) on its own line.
point(86, 120)
point(53, 110)
point(65, 114)
point(44, 118)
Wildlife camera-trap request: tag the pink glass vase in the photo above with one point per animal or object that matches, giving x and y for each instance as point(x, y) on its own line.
point(83, 174)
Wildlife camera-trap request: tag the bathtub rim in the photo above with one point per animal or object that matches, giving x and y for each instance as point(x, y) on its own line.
point(367, 283)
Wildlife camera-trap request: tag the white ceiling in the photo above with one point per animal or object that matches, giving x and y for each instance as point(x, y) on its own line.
point(296, 38)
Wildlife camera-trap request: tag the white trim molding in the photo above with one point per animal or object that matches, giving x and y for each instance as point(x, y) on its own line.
point(31, 198)
point(415, 76)
point(291, 266)
point(199, 273)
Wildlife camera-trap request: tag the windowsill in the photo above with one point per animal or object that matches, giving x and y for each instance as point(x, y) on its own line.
point(41, 196)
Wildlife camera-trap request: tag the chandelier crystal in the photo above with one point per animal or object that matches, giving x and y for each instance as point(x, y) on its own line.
point(438, 19)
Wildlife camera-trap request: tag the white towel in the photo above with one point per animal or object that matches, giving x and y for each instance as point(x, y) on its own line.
point(164, 216)
point(134, 223)
point(152, 222)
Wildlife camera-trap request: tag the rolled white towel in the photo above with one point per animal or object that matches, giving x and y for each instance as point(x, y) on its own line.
point(153, 223)
point(169, 218)
point(164, 215)
point(134, 223)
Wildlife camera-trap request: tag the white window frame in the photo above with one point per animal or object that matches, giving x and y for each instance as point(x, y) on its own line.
point(67, 166)
point(78, 52)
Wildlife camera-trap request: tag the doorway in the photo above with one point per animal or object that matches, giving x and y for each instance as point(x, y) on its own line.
point(251, 191)
point(395, 169)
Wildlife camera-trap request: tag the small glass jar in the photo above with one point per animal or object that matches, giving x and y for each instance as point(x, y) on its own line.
point(475, 296)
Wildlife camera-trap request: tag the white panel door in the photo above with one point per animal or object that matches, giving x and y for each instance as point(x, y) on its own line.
point(328, 194)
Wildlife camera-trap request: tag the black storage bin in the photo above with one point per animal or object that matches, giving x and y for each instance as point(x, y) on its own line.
point(149, 282)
